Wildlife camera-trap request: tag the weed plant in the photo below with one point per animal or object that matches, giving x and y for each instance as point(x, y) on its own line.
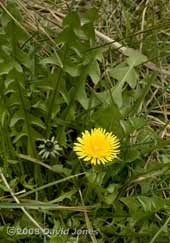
point(57, 80)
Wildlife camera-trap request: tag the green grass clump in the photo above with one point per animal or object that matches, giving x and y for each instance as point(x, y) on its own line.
point(60, 77)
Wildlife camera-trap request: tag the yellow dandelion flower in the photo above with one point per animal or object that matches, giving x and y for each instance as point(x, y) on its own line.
point(97, 146)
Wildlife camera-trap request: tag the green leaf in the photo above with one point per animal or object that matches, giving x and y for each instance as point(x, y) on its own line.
point(18, 116)
point(131, 154)
point(71, 20)
point(17, 66)
point(19, 136)
point(137, 122)
point(72, 69)
point(89, 32)
point(131, 203)
point(94, 72)
point(36, 121)
point(14, 32)
point(55, 59)
point(3, 114)
point(109, 117)
point(95, 178)
point(64, 195)
point(135, 57)
point(112, 192)
point(40, 105)
point(5, 67)
point(14, 10)
point(23, 58)
point(60, 169)
point(82, 97)
point(65, 36)
point(124, 72)
point(91, 15)
point(35, 134)
point(62, 138)
point(152, 204)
